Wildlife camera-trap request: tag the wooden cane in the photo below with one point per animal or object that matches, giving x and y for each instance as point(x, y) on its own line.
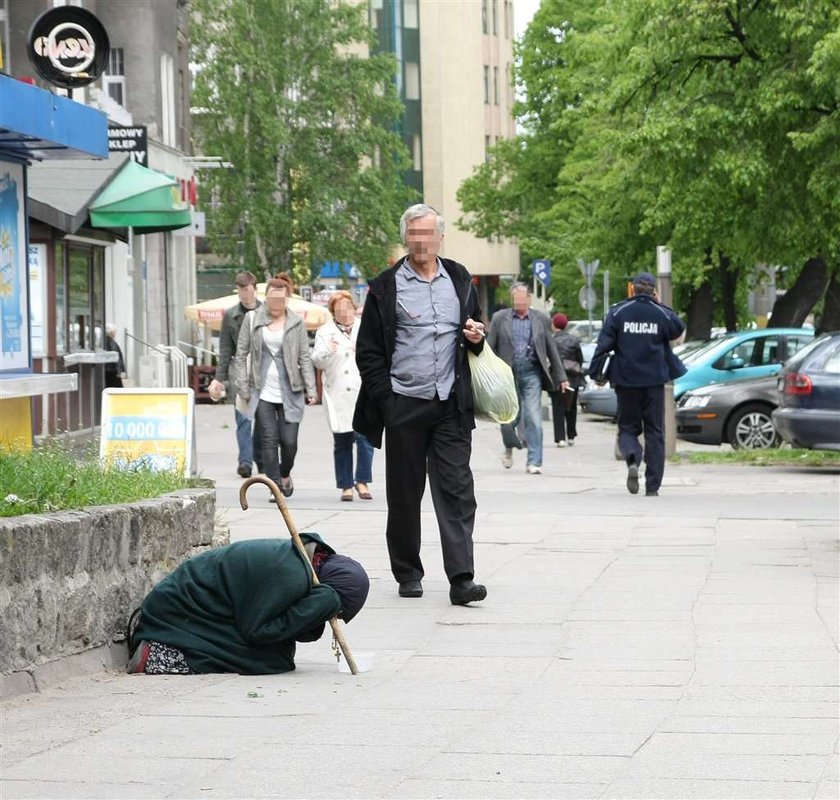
point(290, 524)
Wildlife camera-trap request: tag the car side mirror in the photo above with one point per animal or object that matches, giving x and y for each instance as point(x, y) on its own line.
point(735, 363)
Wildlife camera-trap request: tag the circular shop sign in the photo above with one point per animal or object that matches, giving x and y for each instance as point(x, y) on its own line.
point(68, 46)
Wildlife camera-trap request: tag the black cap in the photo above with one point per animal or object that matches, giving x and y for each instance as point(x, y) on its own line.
point(644, 279)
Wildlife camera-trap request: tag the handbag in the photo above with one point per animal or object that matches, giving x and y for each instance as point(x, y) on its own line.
point(493, 387)
point(572, 367)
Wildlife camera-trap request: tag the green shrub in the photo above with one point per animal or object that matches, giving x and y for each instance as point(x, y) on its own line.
point(54, 478)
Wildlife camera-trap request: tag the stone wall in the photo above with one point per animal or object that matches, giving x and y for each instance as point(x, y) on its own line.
point(69, 580)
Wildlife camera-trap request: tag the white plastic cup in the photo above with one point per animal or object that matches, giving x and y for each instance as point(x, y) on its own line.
point(364, 661)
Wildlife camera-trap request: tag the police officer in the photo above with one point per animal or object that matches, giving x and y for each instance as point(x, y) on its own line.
point(638, 332)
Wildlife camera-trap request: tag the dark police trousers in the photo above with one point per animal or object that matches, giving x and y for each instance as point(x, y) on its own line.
point(425, 436)
point(642, 408)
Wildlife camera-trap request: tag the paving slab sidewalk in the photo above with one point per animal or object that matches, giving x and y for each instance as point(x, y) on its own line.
point(630, 647)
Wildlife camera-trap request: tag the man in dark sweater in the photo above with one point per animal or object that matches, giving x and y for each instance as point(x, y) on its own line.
point(241, 608)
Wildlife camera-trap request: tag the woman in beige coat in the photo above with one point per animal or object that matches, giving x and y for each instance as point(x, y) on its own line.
point(273, 365)
point(335, 354)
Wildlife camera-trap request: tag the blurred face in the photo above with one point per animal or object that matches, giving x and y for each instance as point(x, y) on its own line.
point(521, 300)
point(422, 240)
point(275, 301)
point(344, 312)
point(247, 295)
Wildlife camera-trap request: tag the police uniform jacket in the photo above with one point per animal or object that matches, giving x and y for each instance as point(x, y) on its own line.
point(638, 331)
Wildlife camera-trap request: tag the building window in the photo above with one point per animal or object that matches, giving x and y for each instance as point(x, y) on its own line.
point(487, 85)
point(495, 17)
point(412, 80)
point(167, 99)
point(508, 18)
point(411, 14)
point(496, 85)
point(113, 81)
point(486, 147)
point(417, 152)
point(484, 16)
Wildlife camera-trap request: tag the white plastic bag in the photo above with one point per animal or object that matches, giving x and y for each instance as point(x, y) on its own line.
point(494, 392)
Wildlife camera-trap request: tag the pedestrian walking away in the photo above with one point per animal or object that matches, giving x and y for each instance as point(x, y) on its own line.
point(334, 352)
point(564, 404)
point(243, 607)
point(224, 381)
point(280, 379)
point(521, 336)
point(420, 318)
point(638, 333)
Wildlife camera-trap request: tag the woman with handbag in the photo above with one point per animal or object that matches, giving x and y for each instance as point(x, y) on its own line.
point(335, 353)
point(273, 366)
point(564, 404)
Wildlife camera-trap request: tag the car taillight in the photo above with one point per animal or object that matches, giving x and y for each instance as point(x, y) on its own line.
point(795, 383)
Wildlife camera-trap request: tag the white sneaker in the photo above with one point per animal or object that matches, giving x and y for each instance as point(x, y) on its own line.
point(507, 458)
point(533, 469)
point(561, 443)
point(571, 442)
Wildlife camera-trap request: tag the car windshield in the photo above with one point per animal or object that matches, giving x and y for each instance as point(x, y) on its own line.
point(700, 350)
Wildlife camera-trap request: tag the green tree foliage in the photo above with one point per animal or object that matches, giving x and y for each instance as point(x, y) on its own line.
point(712, 126)
point(285, 91)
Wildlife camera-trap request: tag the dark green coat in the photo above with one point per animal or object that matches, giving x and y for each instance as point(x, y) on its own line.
point(239, 608)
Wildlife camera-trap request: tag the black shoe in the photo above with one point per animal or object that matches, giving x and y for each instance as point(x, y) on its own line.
point(633, 479)
point(287, 489)
point(411, 589)
point(243, 471)
point(463, 592)
point(652, 494)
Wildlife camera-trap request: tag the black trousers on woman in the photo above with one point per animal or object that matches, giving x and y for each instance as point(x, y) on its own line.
point(564, 417)
point(424, 437)
point(276, 432)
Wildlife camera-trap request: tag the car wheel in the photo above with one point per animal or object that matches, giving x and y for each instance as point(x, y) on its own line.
point(751, 428)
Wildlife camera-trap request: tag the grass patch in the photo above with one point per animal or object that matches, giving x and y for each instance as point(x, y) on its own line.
point(780, 456)
point(54, 478)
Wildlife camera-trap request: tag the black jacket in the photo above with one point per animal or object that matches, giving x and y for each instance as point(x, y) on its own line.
point(228, 337)
point(377, 339)
point(569, 349)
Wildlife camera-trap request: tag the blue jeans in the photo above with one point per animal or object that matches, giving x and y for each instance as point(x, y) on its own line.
point(343, 455)
point(529, 392)
point(247, 440)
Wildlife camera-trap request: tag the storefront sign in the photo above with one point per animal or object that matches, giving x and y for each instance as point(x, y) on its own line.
point(129, 139)
point(68, 46)
point(14, 302)
point(147, 428)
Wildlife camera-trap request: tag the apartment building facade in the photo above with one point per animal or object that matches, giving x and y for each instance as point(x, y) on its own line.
point(454, 75)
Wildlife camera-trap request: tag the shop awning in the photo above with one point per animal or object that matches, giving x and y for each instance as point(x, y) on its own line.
point(140, 198)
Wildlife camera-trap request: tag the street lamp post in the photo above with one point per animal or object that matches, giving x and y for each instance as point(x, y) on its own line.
point(663, 274)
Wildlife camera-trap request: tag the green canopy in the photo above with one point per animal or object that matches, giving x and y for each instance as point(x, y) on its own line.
point(140, 198)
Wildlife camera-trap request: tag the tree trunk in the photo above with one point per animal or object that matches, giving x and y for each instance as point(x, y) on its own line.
point(791, 309)
point(830, 319)
point(699, 318)
point(728, 286)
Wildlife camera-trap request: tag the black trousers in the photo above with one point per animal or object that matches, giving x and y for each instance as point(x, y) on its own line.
point(424, 437)
point(276, 432)
point(564, 417)
point(642, 408)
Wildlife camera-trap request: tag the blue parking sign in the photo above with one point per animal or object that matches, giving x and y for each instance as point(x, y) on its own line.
point(542, 270)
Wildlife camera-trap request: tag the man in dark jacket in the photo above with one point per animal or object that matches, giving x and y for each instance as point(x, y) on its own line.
point(419, 320)
point(521, 337)
point(639, 331)
point(241, 608)
point(246, 288)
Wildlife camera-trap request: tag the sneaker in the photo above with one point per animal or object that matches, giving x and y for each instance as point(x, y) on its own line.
point(137, 662)
point(561, 443)
point(571, 442)
point(533, 469)
point(507, 458)
point(633, 479)
point(244, 470)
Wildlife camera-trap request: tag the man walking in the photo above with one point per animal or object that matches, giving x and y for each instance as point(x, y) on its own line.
point(419, 320)
point(638, 331)
point(246, 288)
point(521, 336)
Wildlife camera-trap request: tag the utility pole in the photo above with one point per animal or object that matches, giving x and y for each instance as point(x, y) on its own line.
point(663, 274)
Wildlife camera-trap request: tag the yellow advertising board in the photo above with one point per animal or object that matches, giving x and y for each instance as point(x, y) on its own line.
point(151, 428)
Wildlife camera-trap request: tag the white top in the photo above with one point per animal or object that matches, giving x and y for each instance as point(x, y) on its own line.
point(271, 390)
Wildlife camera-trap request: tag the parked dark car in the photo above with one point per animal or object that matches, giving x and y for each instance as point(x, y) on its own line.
point(808, 414)
point(738, 412)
